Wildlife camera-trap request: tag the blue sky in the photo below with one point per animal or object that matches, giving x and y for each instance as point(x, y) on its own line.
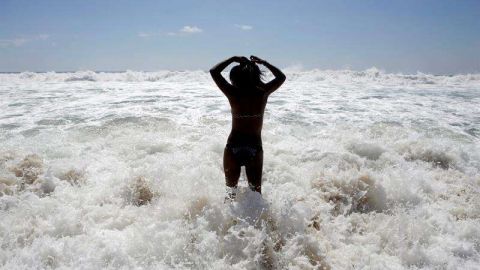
point(439, 37)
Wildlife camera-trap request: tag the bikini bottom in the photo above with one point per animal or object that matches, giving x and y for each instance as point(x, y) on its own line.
point(243, 153)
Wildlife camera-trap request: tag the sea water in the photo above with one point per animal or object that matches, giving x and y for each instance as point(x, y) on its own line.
point(362, 170)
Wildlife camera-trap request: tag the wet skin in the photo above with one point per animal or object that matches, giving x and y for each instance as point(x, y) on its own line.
point(247, 109)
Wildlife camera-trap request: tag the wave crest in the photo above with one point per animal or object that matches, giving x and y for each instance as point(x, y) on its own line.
point(371, 75)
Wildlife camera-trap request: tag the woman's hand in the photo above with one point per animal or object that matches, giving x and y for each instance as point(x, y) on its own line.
point(255, 59)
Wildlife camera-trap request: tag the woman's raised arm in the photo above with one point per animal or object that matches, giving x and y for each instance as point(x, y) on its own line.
point(279, 76)
point(216, 73)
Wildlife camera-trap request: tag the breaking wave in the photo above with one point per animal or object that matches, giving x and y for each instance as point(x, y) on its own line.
point(372, 75)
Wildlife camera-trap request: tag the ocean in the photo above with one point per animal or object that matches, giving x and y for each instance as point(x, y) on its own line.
point(362, 170)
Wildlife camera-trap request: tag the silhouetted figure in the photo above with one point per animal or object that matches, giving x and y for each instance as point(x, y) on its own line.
point(248, 97)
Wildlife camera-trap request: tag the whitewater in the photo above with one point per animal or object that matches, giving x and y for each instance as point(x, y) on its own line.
point(362, 170)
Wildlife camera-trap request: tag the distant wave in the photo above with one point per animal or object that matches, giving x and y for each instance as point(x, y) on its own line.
point(371, 75)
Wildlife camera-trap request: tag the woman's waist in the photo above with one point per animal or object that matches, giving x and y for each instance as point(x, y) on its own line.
point(247, 128)
point(237, 137)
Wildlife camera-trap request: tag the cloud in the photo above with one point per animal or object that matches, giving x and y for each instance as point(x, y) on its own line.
point(186, 30)
point(43, 36)
point(20, 41)
point(190, 29)
point(146, 35)
point(244, 27)
point(16, 42)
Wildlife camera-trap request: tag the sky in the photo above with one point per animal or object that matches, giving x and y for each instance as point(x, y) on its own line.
point(438, 37)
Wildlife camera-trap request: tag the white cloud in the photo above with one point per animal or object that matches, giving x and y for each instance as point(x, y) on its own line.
point(15, 42)
point(43, 36)
point(20, 41)
point(187, 29)
point(146, 35)
point(244, 27)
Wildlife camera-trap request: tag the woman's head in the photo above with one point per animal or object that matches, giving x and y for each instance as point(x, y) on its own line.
point(246, 74)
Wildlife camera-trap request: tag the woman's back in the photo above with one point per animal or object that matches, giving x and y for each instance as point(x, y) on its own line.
point(247, 109)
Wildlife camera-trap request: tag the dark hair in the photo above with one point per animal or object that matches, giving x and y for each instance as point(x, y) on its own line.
point(246, 75)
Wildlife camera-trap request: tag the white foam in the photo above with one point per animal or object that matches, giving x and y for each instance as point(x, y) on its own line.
point(362, 169)
point(294, 73)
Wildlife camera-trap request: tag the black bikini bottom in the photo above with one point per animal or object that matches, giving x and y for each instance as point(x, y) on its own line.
point(244, 153)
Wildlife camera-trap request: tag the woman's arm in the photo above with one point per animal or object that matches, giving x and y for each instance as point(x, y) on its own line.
point(216, 73)
point(279, 76)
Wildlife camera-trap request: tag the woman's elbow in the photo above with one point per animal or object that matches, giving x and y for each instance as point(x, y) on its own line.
point(214, 70)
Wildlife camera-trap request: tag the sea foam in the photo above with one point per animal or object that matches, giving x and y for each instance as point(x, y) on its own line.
point(362, 170)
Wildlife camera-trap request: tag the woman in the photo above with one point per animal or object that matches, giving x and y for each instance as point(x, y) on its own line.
point(248, 96)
